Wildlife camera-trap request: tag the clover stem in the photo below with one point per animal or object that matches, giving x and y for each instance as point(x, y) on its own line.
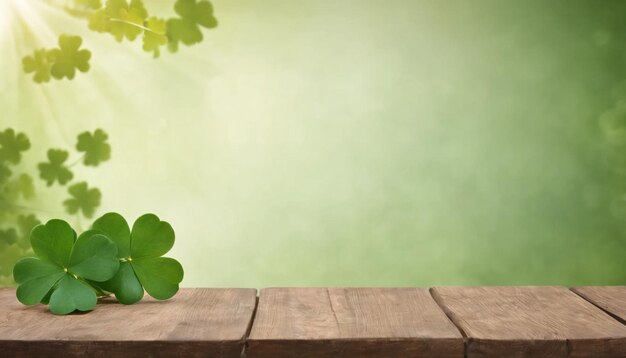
point(137, 26)
point(76, 161)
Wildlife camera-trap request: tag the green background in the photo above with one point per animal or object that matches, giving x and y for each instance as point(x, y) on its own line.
point(354, 143)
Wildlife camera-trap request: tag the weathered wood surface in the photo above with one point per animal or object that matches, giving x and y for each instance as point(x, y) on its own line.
point(611, 299)
point(351, 322)
point(195, 323)
point(531, 322)
point(334, 322)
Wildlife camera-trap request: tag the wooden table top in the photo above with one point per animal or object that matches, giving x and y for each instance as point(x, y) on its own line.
point(195, 323)
point(330, 322)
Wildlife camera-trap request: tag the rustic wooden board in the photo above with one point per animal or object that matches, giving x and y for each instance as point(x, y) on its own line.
point(351, 322)
point(531, 322)
point(612, 299)
point(195, 323)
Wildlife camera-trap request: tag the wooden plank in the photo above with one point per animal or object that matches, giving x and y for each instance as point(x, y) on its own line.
point(611, 299)
point(195, 323)
point(351, 322)
point(531, 322)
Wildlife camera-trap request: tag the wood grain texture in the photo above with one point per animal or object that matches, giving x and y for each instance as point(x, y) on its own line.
point(612, 299)
point(531, 322)
point(195, 323)
point(351, 322)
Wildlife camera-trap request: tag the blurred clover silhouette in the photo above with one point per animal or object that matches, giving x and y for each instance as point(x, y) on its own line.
point(124, 20)
point(18, 194)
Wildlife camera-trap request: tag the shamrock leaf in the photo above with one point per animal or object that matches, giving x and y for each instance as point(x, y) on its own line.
point(140, 251)
point(83, 199)
point(12, 145)
point(121, 19)
point(20, 186)
point(154, 37)
point(192, 15)
point(64, 263)
point(68, 58)
point(95, 147)
point(38, 63)
point(55, 169)
point(5, 173)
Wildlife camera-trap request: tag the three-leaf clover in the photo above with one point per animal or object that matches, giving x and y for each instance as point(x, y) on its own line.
point(154, 37)
point(140, 251)
point(63, 265)
point(55, 169)
point(95, 147)
point(39, 64)
point(69, 57)
point(186, 29)
point(83, 199)
point(12, 145)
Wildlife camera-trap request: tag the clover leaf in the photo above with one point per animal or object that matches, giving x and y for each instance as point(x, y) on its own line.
point(38, 64)
point(95, 147)
point(186, 28)
point(63, 264)
point(154, 37)
point(120, 18)
point(83, 199)
point(140, 251)
point(68, 57)
point(55, 169)
point(12, 145)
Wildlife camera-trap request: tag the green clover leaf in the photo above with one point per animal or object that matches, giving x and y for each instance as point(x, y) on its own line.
point(12, 145)
point(21, 186)
point(68, 57)
point(95, 147)
point(140, 250)
point(192, 15)
point(38, 63)
point(120, 18)
point(55, 169)
point(155, 36)
point(63, 265)
point(83, 199)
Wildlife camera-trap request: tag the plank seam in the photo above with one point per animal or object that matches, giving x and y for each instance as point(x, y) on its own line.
point(439, 301)
point(587, 299)
point(250, 324)
point(330, 302)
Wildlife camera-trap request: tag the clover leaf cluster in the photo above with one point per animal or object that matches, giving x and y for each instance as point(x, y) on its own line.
point(70, 272)
point(19, 194)
point(124, 20)
point(58, 63)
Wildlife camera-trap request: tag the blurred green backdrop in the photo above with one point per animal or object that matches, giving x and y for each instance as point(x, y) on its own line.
point(355, 143)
